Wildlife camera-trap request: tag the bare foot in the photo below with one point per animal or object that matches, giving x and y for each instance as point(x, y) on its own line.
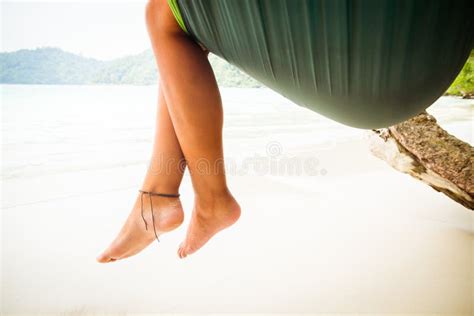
point(207, 220)
point(133, 237)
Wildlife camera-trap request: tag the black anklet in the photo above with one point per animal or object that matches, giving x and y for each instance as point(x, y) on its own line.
point(150, 194)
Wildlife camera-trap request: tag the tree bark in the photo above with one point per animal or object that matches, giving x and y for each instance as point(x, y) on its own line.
point(422, 149)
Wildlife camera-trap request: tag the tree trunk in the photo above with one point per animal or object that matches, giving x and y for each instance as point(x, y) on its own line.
point(421, 148)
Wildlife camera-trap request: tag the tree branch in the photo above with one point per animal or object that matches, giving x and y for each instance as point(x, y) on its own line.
point(422, 149)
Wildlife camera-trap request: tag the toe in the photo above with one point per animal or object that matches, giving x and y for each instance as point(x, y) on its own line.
point(181, 253)
point(184, 252)
point(105, 257)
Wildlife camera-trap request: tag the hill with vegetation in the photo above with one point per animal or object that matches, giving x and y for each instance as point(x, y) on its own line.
point(46, 66)
point(55, 66)
point(464, 83)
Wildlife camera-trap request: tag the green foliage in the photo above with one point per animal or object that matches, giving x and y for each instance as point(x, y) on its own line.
point(230, 76)
point(54, 66)
point(46, 66)
point(135, 70)
point(464, 82)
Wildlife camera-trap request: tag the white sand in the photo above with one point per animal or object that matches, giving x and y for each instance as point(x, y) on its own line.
point(360, 239)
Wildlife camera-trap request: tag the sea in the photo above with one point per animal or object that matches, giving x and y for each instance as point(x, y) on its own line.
point(48, 129)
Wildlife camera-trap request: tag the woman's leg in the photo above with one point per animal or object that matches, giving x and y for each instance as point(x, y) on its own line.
point(164, 175)
point(195, 108)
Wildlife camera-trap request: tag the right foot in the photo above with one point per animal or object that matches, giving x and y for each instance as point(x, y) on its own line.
point(133, 237)
point(207, 220)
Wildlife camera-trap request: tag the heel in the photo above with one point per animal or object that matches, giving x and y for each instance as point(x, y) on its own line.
point(150, 194)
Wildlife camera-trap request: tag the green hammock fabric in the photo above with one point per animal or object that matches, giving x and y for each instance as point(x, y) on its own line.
point(364, 63)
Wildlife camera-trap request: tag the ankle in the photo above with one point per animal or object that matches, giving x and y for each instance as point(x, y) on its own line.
point(160, 187)
point(214, 201)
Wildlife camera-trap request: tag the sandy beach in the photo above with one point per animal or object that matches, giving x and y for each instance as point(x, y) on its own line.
point(345, 234)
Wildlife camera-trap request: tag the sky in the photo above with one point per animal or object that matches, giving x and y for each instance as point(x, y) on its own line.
point(102, 29)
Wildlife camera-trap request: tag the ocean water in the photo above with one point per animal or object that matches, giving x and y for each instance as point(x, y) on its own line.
point(55, 129)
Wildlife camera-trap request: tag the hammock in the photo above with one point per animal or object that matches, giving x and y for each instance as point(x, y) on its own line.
point(364, 63)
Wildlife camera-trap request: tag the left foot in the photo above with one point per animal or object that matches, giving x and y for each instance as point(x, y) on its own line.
point(207, 220)
point(133, 237)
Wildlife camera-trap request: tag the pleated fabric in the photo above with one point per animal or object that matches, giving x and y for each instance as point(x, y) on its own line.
point(364, 63)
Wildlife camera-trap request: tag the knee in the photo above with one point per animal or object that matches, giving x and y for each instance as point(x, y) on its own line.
point(154, 10)
point(158, 15)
